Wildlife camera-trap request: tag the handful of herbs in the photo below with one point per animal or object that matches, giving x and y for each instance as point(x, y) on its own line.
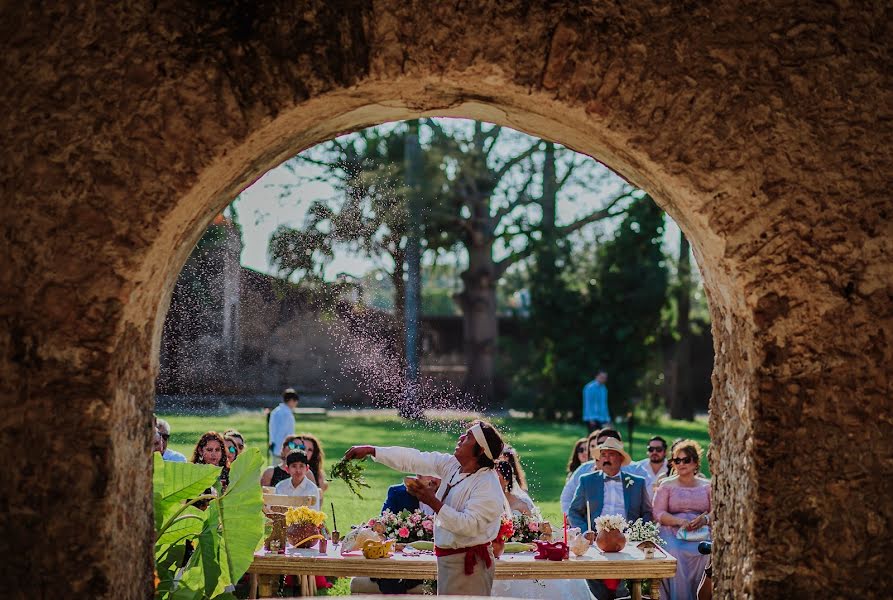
point(351, 472)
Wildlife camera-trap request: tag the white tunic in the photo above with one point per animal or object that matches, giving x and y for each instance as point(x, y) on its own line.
point(472, 510)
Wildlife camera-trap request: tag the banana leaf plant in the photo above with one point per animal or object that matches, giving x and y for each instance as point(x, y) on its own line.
point(222, 538)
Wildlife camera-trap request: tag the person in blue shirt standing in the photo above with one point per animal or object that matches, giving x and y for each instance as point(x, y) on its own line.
point(282, 421)
point(595, 402)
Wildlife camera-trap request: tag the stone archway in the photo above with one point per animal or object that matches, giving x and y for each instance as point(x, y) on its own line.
point(764, 131)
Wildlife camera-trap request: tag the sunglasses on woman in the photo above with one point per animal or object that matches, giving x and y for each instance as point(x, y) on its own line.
point(296, 446)
point(231, 449)
point(686, 460)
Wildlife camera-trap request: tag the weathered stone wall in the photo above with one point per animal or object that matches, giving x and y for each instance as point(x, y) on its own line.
point(764, 128)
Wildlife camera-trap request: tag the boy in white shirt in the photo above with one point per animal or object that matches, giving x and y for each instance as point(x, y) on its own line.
point(298, 484)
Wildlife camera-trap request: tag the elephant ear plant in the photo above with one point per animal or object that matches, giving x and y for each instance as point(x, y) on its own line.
point(224, 537)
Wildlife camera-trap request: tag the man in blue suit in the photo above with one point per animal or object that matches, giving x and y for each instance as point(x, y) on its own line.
point(399, 499)
point(609, 492)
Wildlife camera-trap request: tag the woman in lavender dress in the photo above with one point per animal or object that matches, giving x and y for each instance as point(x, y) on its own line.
point(683, 502)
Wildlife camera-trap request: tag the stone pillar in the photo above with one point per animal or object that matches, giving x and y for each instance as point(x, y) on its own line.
point(800, 417)
point(76, 402)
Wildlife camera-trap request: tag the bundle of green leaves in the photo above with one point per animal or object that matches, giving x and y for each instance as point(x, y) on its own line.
point(351, 472)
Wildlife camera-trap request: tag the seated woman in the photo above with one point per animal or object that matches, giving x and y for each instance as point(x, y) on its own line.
point(682, 503)
point(579, 455)
point(313, 449)
point(232, 448)
point(517, 503)
point(565, 589)
point(273, 475)
point(511, 455)
point(210, 451)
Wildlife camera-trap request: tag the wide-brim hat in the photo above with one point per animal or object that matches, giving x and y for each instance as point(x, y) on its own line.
point(613, 444)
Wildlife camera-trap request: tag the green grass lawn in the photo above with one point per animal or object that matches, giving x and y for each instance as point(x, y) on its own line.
point(544, 449)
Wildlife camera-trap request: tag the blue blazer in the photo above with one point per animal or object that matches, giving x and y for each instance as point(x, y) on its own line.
point(592, 489)
point(399, 499)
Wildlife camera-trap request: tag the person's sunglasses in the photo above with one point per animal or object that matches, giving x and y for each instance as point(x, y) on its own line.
point(579, 450)
point(165, 436)
point(655, 449)
point(686, 460)
point(231, 449)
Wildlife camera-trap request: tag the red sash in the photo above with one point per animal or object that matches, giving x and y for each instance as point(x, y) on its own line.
point(471, 553)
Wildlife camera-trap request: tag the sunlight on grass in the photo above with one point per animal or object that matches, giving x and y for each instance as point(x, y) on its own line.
point(544, 449)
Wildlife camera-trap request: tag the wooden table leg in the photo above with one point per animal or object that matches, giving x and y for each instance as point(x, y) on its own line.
point(655, 589)
point(252, 585)
point(635, 589)
point(265, 585)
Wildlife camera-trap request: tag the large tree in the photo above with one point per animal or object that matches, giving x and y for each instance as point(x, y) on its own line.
point(504, 192)
point(368, 215)
point(488, 191)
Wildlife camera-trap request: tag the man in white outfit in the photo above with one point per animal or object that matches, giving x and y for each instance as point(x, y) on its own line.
point(468, 504)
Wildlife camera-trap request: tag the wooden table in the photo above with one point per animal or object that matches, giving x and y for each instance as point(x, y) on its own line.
point(630, 563)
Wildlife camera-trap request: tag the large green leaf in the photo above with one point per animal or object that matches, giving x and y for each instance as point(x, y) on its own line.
point(239, 513)
point(174, 482)
point(186, 526)
point(225, 536)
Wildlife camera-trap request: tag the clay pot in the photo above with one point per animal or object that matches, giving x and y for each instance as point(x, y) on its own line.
point(297, 534)
point(610, 540)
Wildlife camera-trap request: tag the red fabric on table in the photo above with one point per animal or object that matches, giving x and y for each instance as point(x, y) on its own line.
point(480, 551)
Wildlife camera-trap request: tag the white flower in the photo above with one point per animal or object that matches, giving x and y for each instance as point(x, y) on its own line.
point(629, 481)
point(641, 531)
point(609, 522)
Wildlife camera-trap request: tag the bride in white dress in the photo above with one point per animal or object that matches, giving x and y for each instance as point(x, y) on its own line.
point(566, 589)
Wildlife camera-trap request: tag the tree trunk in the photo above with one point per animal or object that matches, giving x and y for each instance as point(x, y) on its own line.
point(399, 299)
point(479, 322)
point(682, 405)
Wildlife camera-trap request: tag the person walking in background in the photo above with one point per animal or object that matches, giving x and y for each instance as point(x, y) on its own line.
point(282, 421)
point(595, 402)
point(164, 430)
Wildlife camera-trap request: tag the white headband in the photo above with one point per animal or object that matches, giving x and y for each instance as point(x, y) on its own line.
point(478, 434)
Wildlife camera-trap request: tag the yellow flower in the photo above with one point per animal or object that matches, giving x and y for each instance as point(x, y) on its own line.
point(303, 515)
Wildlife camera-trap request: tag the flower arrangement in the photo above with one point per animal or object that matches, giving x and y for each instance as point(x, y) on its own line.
point(529, 528)
point(642, 531)
point(609, 522)
point(303, 515)
point(506, 529)
point(405, 526)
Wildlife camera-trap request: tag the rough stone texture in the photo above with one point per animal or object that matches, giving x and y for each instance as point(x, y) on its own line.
point(764, 128)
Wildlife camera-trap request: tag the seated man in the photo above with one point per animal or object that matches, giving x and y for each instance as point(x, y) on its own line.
point(608, 491)
point(398, 499)
point(164, 429)
point(298, 484)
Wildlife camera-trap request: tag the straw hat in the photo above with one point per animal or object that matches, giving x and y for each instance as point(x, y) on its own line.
point(617, 446)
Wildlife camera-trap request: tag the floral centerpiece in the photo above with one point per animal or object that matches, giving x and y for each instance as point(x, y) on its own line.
point(642, 531)
point(302, 526)
point(527, 529)
point(405, 527)
point(610, 536)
